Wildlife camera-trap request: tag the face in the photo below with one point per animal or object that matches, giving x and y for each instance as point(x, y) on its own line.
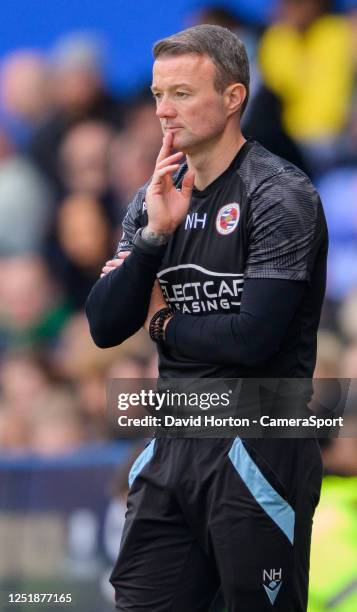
point(188, 105)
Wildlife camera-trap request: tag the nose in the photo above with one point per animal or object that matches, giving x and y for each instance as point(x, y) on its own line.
point(165, 109)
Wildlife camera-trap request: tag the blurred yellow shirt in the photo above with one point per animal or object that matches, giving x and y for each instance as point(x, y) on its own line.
point(313, 74)
point(333, 562)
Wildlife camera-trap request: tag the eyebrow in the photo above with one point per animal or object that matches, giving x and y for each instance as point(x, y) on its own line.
point(175, 86)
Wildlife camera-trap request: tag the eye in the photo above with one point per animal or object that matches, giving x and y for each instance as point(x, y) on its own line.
point(181, 94)
point(156, 95)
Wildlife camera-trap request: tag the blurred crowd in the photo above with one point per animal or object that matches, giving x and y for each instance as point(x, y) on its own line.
point(73, 153)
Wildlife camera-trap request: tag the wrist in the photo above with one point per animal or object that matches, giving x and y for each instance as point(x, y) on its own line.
point(155, 236)
point(157, 248)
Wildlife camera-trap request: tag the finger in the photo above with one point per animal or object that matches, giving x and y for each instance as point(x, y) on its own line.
point(121, 255)
point(164, 174)
point(166, 147)
point(166, 170)
point(111, 265)
point(170, 160)
point(108, 269)
point(187, 184)
point(160, 176)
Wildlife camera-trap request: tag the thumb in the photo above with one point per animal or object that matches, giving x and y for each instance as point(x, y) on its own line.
point(187, 184)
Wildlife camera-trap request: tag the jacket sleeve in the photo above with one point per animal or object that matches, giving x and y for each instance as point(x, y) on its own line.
point(118, 303)
point(248, 338)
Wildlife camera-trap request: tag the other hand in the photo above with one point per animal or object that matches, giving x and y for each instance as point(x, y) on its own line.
point(114, 263)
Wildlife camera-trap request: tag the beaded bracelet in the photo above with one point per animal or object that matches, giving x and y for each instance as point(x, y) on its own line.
point(156, 327)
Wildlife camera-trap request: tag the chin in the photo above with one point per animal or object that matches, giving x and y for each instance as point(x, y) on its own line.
point(180, 143)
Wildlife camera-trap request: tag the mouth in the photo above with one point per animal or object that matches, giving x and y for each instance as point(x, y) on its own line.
point(172, 128)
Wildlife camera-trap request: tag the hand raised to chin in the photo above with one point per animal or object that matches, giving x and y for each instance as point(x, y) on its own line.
point(166, 205)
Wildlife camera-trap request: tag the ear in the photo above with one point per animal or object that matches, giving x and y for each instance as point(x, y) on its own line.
point(234, 96)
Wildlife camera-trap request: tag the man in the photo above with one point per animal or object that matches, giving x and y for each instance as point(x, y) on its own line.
point(237, 239)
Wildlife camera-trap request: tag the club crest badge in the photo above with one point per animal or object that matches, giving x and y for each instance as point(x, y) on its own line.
point(227, 218)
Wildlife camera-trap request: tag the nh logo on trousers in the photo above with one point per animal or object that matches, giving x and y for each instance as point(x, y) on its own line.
point(272, 583)
point(193, 221)
point(272, 574)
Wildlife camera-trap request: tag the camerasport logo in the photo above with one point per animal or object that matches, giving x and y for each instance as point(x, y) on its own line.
point(227, 218)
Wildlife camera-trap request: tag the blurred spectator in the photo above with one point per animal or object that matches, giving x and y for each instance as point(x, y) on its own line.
point(340, 457)
point(76, 355)
point(57, 425)
point(84, 233)
point(77, 62)
point(130, 367)
point(333, 563)
point(26, 203)
point(349, 362)
point(6, 146)
point(329, 353)
point(83, 242)
point(263, 102)
point(272, 134)
point(306, 59)
point(228, 18)
point(348, 316)
point(125, 376)
point(77, 359)
point(132, 165)
point(14, 433)
point(135, 150)
point(25, 89)
point(84, 158)
point(79, 93)
point(351, 8)
point(24, 380)
point(335, 187)
point(24, 377)
point(91, 391)
point(85, 230)
point(32, 308)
